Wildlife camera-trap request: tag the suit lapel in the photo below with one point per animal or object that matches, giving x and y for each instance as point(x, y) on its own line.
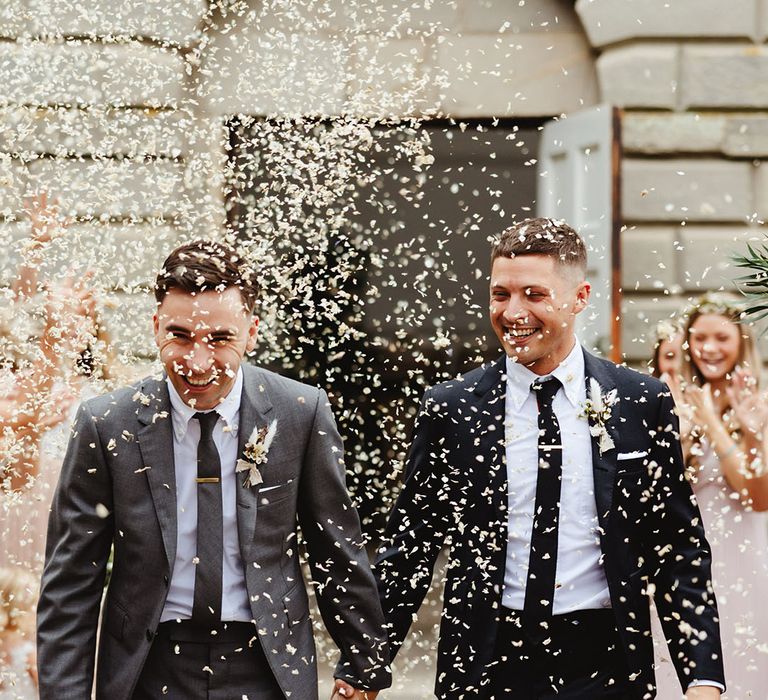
point(255, 409)
point(488, 429)
point(603, 465)
point(156, 445)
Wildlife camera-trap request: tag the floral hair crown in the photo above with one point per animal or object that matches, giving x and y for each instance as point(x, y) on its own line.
point(717, 303)
point(667, 329)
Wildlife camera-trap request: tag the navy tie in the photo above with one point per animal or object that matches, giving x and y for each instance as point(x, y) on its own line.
point(542, 565)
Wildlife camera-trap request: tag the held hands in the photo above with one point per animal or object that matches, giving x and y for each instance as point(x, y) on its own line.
point(342, 689)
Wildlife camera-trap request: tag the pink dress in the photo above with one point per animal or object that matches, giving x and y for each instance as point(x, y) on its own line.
point(15, 680)
point(24, 513)
point(739, 540)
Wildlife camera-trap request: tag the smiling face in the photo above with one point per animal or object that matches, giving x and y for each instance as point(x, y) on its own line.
point(534, 302)
point(202, 340)
point(715, 346)
point(668, 355)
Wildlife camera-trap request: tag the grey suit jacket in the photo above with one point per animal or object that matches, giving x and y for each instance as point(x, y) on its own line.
point(117, 489)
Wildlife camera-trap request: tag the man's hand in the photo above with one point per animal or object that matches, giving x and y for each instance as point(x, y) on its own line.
point(342, 689)
point(703, 692)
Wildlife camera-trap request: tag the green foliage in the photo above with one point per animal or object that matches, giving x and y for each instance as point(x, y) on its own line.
point(754, 284)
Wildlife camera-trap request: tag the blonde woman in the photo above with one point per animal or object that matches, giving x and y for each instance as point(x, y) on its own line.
point(726, 417)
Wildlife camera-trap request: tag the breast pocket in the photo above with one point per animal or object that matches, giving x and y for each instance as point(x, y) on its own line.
point(276, 493)
point(633, 465)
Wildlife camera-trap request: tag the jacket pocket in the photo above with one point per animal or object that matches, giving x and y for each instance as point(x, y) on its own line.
point(117, 619)
point(296, 605)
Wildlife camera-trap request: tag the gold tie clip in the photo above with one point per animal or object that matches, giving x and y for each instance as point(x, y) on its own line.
point(207, 480)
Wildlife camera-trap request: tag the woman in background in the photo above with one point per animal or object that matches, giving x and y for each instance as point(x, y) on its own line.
point(18, 595)
point(724, 439)
point(667, 351)
point(43, 385)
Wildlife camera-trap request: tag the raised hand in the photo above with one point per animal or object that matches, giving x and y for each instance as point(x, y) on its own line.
point(702, 404)
point(749, 405)
point(46, 225)
point(43, 213)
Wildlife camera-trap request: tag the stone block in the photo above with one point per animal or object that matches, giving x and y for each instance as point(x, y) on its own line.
point(122, 256)
point(746, 136)
point(520, 75)
point(610, 21)
point(288, 75)
point(112, 188)
point(13, 19)
point(390, 78)
point(95, 131)
point(706, 252)
point(733, 76)
point(648, 258)
point(13, 180)
point(81, 74)
point(639, 76)
point(761, 192)
point(660, 132)
point(394, 19)
point(173, 21)
point(495, 16)
point(639, 316)
point(686, 190)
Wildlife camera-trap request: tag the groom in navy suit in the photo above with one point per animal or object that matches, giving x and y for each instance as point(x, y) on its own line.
point(557, 482)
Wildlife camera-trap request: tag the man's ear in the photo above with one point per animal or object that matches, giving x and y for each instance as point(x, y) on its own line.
point(155, 324)
point(582, 296)
point(253, 332)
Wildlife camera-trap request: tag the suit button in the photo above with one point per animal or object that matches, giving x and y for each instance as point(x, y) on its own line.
point(150, 635)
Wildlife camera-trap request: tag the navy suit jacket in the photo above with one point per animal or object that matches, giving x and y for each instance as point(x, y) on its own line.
point(455, 493)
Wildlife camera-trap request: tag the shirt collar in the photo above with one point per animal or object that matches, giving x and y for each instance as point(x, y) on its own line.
point(228, 409)
point(570, 372)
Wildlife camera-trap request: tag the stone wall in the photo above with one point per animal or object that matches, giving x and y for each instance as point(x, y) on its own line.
point(94, 109)
point(466, 58)
point(692, 77)
point(119, 109)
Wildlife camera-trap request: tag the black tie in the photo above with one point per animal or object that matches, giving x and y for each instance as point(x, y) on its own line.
point(542, 565)
point(210, 539)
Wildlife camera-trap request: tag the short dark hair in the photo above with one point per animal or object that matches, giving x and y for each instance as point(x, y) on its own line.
point(206, 265)
point(542, 236)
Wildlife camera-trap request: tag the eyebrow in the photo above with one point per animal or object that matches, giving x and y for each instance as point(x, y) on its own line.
point(175, 328)
point(535, 285)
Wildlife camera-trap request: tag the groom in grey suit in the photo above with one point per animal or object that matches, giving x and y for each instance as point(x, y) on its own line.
point(198, 482)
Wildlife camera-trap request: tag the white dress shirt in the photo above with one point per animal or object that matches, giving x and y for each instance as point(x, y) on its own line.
point(580, 582)
point(186, 435)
